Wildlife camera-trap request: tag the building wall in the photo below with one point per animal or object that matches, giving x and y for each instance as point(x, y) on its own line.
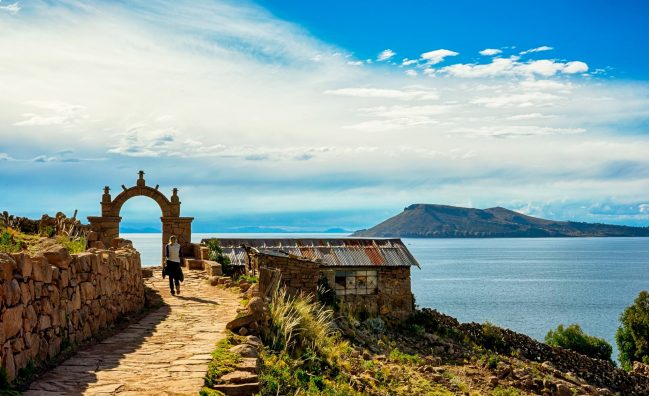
point(51, 300)
point(297, 275)
point(393, 298)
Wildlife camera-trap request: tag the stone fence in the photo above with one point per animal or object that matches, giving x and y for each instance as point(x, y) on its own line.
point(53, 299)
point(597, 372)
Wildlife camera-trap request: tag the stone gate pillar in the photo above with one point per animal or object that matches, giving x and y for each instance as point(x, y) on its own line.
point(181, 227)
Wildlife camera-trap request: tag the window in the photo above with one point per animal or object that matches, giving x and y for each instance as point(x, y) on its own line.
point(356, 282)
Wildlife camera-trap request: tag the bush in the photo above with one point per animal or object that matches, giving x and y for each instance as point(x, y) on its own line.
point(574, 338)
point(375, 325)
point(216, 254)
point(632, 337)
point(7, 243)
point(72, 245)
point(492, 337)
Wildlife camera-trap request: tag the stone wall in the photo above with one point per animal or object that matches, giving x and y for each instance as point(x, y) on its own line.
point(597, 372)
point(297, 275)
point(54, 299)
point(393, 298)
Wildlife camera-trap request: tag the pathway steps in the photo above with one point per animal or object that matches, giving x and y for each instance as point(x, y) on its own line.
point(165, 353)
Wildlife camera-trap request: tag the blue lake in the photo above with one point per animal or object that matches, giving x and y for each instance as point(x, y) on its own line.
point(527, 285)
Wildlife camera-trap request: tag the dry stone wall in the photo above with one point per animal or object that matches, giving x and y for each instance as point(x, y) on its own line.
point(54, 299)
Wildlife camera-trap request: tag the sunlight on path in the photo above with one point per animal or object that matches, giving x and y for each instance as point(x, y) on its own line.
point(165, 353)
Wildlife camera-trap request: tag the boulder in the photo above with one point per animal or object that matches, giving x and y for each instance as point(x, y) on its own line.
point(257, 307)
point(245, 351)
point(563, 390)
point(240, 322)
point(57, 255)
point(641, 368)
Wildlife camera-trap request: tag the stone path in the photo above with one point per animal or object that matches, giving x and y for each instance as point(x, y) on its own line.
point(165, 353)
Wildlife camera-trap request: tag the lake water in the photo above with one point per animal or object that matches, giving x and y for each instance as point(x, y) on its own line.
point(527, 285)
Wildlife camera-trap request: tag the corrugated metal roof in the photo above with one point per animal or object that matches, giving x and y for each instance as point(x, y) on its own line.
point(337, 252)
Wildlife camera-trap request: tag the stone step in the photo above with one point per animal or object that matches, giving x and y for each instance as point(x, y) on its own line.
point(248, 364)
point(240, 377)
point(238, 389)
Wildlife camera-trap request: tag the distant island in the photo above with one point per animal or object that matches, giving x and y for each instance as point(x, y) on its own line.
point(442, 221)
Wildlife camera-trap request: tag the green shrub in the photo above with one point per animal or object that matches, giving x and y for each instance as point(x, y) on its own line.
point(404, 358)
point(249, 278)
point(216, 254)
point(375, 325)
point(492, 337)
point(574, 338)
point(508, 391)
point(7, 243)
point(632, 337)
point(72, 245)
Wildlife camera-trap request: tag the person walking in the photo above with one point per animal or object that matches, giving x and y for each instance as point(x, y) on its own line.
point(173, 253)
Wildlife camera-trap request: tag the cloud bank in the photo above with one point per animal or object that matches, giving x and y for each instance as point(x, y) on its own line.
point(248, 113)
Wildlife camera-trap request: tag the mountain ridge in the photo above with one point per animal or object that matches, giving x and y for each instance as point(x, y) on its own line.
point(445, 221)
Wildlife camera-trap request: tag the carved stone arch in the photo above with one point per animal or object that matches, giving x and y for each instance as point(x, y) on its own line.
point(106, 227)
point(166, 207)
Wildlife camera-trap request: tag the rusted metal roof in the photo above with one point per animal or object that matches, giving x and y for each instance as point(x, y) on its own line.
point(335, 252)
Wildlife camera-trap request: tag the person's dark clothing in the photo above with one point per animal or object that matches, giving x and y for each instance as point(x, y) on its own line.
point(173, 269)
point(174, 272)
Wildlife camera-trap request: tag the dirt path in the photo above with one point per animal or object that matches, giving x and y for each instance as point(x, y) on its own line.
point(165, 353)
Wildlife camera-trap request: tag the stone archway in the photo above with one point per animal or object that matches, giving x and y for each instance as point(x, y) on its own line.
point(106, 227)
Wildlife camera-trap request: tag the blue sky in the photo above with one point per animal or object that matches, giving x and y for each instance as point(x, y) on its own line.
point(310, 116)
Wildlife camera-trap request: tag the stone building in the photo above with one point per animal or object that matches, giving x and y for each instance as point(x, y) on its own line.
point(367, 275)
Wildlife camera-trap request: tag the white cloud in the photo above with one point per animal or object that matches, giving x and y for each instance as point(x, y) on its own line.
point(575, 67)
point(13, 8)
point(355, 63)
point(529, 116)
point(537, 49)
point(500, 67)
point(517, 100)
point(385, 55)
point(517, 131)
point(411, 72)
point(401, 94)
point(392, 124)
point(490, 52)
point(408, 62)
point(437, 56)
point(551, 85)
point(53, 113)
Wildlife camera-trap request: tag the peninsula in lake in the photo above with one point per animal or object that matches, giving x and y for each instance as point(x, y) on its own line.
point(442, 221)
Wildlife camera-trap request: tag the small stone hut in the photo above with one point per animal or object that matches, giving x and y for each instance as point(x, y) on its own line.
point(367, 275)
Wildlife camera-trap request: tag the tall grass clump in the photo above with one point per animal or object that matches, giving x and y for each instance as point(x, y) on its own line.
point(299, 323)
point(305, 353)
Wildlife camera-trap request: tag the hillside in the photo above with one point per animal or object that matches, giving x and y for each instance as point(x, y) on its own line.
point(441, 221)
